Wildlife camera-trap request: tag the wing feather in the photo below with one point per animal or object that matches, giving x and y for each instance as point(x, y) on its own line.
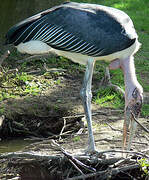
point(92, 30)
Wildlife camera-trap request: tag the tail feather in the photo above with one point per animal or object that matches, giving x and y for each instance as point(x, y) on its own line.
point(15, 32)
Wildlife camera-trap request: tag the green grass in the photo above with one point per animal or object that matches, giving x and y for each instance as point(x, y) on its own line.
point(137, 9)
point(107, 97)
point(15, 82)
point(15, 85)
point(144, 163)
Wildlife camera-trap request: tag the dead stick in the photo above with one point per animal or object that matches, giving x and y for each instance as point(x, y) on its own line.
point(37, 56)
point(76, 161)
point(146, 137)
point(73, 159)
point(26, 155)
point(8, 87)
point(118, 140)
point(64, 126)
point(83, 115)
point(114, 129)
point(145, 150)
point(77, 167)
point(122, 151)
point(144, 128)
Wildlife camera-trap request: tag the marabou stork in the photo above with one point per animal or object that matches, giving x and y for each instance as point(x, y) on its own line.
point(86, 33)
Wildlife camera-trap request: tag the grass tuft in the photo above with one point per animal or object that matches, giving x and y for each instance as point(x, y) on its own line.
point(107, 97)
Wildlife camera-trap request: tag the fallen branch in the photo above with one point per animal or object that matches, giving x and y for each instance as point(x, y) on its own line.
point(147, 138)
point(118, 140)
point(145, 150)
point(64, 126)
point(77, 168)
point(83, 115)
point(73, 160)
point(122, 151)
point(107, 173)
point(29, 155)
point(114, 129)
point(25, 132)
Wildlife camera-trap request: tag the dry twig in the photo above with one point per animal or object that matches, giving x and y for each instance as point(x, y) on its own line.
point(122, 151)
point(83, 115)
point(64, 126)
point(144, 128)
point(36, 56)
point(114, 129)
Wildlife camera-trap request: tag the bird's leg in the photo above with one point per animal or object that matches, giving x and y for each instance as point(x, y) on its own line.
point(133, 97)
point(86, 96)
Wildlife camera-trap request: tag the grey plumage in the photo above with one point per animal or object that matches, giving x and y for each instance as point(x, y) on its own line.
point(89, 29)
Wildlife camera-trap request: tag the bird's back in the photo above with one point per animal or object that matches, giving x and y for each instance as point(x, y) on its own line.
point(89, 29)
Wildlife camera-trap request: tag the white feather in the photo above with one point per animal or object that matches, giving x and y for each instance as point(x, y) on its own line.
point(34, 47)
point(39, 47)
point(82, 59)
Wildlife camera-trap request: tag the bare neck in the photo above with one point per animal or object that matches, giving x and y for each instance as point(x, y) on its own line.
point(131, 82)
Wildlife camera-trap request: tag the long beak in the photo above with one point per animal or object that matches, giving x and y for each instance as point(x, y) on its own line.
point(131, 111)
point(126, 126)
point(130, 127)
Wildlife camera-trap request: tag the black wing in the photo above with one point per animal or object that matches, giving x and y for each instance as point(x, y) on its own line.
point(76, 27)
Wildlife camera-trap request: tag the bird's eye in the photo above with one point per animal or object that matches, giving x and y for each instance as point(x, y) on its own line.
point(137, 104)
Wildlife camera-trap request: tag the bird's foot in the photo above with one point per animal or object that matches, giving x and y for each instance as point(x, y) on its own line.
point(94, 153)
point(91, 151)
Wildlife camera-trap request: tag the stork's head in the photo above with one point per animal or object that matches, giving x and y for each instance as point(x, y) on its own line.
point(134, 102)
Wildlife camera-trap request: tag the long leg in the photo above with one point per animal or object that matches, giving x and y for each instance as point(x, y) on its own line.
point(86, 96)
